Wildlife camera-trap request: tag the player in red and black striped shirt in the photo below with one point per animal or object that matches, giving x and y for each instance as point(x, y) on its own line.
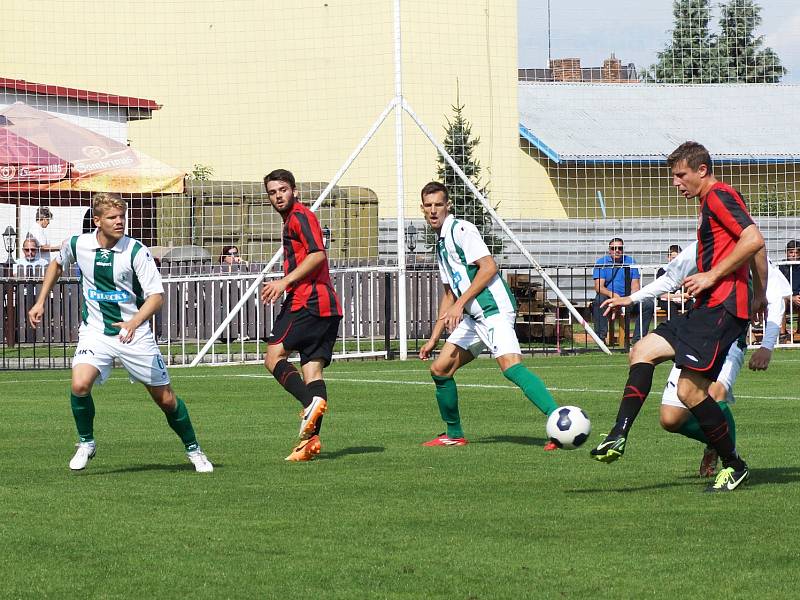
point(309, 318)
point(729, 247)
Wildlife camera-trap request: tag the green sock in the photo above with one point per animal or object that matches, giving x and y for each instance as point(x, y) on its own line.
point(83, 412)
point(181, 424)
point(447, 399)
point(532, 387)
point(691, 428)
point(726, 410)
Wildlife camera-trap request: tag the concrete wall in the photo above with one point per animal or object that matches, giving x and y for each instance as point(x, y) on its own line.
point(580, 242)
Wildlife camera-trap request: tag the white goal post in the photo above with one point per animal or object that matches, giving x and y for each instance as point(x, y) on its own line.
point(399, 105)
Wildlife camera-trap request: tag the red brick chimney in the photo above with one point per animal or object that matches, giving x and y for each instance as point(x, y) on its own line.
point(612, 69)
point(566, 69)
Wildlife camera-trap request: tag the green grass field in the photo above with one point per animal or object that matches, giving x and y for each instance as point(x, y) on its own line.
point(378, 516)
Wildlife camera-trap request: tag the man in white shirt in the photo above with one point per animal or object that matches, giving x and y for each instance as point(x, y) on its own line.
point(478, 309)
point(38, 231)
point(121, 290)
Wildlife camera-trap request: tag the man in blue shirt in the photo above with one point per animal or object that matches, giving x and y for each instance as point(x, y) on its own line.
point(792, 273)
point(614, 275)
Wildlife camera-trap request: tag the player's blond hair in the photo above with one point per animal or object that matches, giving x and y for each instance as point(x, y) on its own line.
point(103, 201)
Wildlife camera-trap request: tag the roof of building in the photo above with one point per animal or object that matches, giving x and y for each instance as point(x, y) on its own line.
point(626, 73)
point(21, 85)
point(645, 122)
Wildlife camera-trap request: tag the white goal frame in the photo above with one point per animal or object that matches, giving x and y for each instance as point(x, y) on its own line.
point(398, 106)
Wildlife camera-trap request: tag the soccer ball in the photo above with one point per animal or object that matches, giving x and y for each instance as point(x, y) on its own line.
point(568, 427)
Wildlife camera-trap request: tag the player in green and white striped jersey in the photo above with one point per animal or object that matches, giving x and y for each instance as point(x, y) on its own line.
point(479, 310)
point(121, 290)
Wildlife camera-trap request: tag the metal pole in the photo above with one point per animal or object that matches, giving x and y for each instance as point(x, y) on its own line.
point(549, 55)
point(275, 257)
point(505, 228)
point(387, 315)
point(398, 133)
point(10, 320)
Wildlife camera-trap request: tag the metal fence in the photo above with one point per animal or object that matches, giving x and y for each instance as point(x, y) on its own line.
point(198, 300)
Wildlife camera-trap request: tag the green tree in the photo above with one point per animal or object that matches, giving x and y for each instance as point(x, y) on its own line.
point(734, 55)
point(201, 172)
point(460, 144)
point(741, 55)
point(769, 201)
point(689, 56)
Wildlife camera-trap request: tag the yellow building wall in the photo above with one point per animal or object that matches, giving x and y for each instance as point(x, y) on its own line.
point(248, 86)
point(537, 193)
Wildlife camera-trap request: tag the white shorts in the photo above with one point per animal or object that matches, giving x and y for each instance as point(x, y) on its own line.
point(727, 377)
point(495, 333)
point(141, 357)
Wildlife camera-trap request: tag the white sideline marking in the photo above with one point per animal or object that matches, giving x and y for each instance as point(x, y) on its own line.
point(471, 385)
point(333, 377)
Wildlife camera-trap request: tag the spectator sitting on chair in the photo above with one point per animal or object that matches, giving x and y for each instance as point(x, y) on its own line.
point(614, 275)
point(30, 255)
point(676, 301)
point(230, 256)
point(39, 233)
point(792, 273)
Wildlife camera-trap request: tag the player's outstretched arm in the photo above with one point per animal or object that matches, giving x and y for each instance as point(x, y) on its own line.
point(676, 271)
point(51, 275)
point(611, 305)
point(776, 309)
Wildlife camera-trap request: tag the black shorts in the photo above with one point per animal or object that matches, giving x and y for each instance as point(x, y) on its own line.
point(701, 338)
point(310, 335)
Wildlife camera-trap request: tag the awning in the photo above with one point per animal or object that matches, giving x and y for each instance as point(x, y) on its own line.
point(40, 152)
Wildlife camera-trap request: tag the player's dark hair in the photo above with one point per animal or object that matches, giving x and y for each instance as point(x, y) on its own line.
point(693, 153)
point(434, 187)
point(616, 239)
point(674, 248)
point(280, 175)
point(793, 244)
point(43, 213)
point(225, 251)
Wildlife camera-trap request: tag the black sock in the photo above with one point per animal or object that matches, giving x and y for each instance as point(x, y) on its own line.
point(291, 381)
point(318, 388)
point(640, 380)
point(715, 426)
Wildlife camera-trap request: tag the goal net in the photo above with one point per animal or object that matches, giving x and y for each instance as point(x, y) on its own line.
point(557, 147)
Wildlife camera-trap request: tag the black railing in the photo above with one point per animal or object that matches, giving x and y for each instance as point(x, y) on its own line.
point(195, 306)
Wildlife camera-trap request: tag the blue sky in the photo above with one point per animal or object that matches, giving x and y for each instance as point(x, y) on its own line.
point(635, 30)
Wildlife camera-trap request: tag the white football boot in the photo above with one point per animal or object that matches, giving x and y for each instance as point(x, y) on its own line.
point(84, 453)
point(200, 461)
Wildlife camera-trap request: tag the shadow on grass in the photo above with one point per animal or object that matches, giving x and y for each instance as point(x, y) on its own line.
point(512, 439)
point(142, 468)
point(351, 450)
point(639, 488)
point(770, 475)
point(774, 475)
